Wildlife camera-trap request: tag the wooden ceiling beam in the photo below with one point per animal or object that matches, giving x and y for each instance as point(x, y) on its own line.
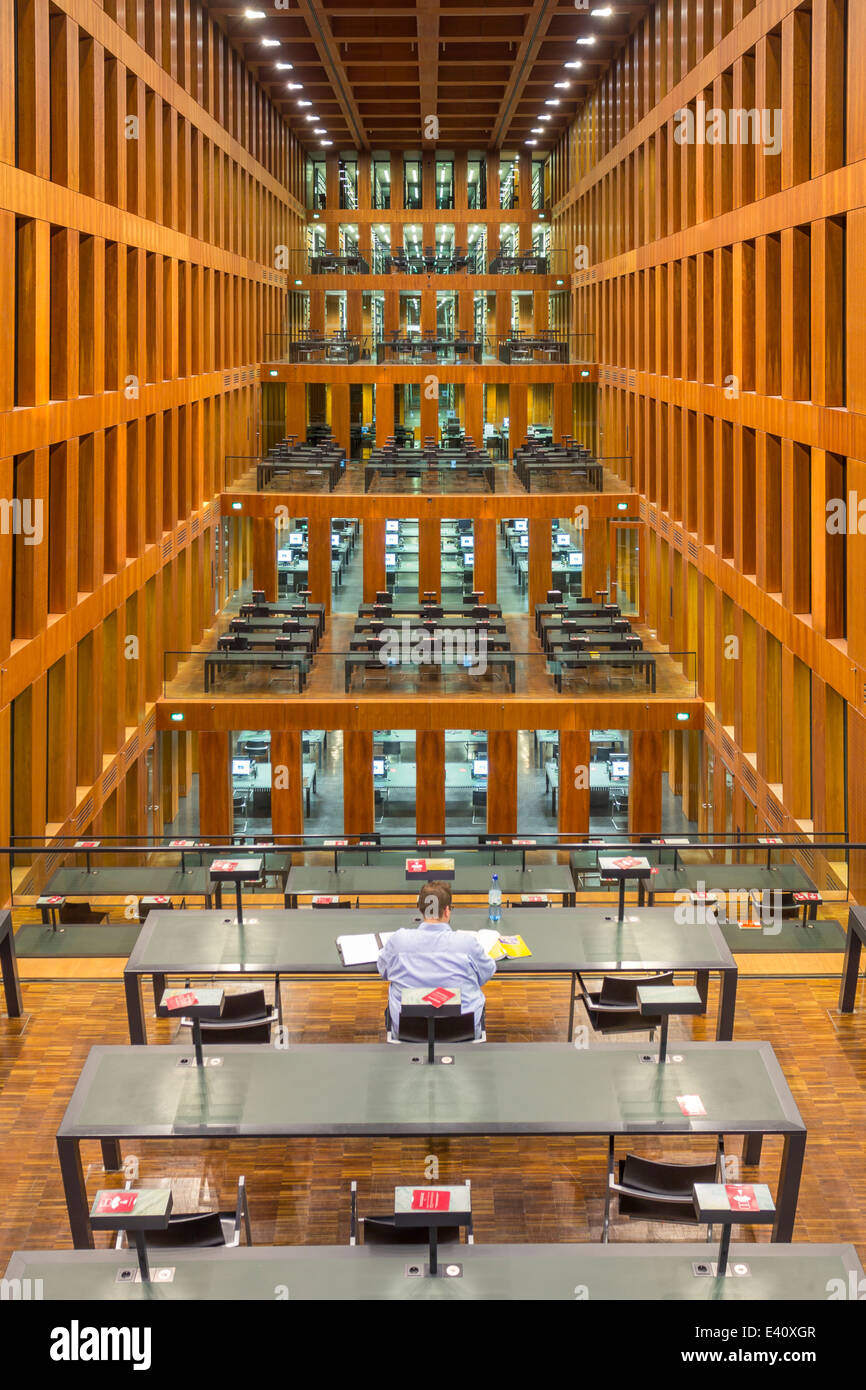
point(428, 64)
point(537, 24)
point(320, 30)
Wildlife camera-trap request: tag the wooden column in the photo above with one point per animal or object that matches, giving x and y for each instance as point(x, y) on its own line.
point(518, 408)
point(216, 816)
point(429, 555)
point(474, 412)
point(540, 559)
point(573, 793)
point(287, 795)
point(374, 557)
point(429, 411)
point(357, 782)
point(484, 575)
point(645, 781)
point(339, 394)
point(265, 557)
point(595, 557)
point(384, 410)
point(502, 782)
point(430, 782)
point(319, 559)
point(296, 410)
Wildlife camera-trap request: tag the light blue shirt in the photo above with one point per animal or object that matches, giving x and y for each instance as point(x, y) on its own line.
point(434, 954)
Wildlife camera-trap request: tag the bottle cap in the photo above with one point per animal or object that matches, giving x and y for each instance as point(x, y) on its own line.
point(495, 878)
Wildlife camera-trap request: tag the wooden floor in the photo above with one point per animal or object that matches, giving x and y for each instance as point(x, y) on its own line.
point(523, 1189)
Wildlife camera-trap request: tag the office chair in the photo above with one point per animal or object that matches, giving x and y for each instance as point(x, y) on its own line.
point(245, 1019)
point(479, 803)
point(650, 1190)
point(80, 914)
point(382, 1230)
point(614, 1007)
point(200, 1230)
point(445, 1030)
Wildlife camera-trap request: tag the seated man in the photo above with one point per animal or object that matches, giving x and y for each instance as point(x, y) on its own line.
point(433, 954)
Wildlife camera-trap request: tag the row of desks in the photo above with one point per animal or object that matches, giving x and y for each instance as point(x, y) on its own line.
point(137, 1094)
point(384, 876)
point(303, 944)
point(620, 1272)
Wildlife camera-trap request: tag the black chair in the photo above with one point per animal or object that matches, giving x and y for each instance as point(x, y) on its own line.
point(614, 1007)
point(479, 801)
point(445, 1030)
point(245, 1019)
point(201, 1230)
point(382, 1230)
point(770, 908)
point(649, 1190)
point(80, 914)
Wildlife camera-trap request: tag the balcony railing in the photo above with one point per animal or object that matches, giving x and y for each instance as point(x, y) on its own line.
point(461, 665)
point(546, 347)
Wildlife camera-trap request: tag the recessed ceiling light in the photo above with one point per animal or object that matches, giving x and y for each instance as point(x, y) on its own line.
point(310, 117)
point(295, 86)
point(327, 142)
point(589, 39)
point(254, 14)
point(538, 130)
point(552, 101)
point(271, 43)
point(305, 103)
point(578, 63)
point(562, 84)
point(320, 132)
point(285, 67)
point(548, 117)
point(604, 13)
point(530, 142)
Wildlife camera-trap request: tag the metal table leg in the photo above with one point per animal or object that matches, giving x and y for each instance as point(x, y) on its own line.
point(789, 1186)
point(72, 1175)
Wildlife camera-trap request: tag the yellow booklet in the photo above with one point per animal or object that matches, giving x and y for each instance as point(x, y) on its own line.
point(503, 947)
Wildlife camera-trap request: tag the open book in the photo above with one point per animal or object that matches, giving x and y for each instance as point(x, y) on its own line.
point(363, 949)
point(503, 947)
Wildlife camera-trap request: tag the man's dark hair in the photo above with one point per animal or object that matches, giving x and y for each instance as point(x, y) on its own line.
point(433, 899)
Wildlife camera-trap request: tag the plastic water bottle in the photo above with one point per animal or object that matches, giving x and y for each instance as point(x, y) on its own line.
point(494, 901)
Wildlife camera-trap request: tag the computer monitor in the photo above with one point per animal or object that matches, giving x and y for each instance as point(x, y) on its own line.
point(619, 768)
point(575, 558)
point(391, 542)
point(378, 767)
point(296, 538)
point(335, 538)
point(392, 526)
point(390, 561)
point(563, 539)
point(241, 767)
point(522, 525)
point(479, 767)
point(524, 542)
point(284, 557)
point(467, 542)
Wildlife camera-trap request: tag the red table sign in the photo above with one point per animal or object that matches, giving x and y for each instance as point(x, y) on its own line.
point(181, 1001)
point(424, 1200)
point(741, 1197)
point(116, 1201)
point(438, 997)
